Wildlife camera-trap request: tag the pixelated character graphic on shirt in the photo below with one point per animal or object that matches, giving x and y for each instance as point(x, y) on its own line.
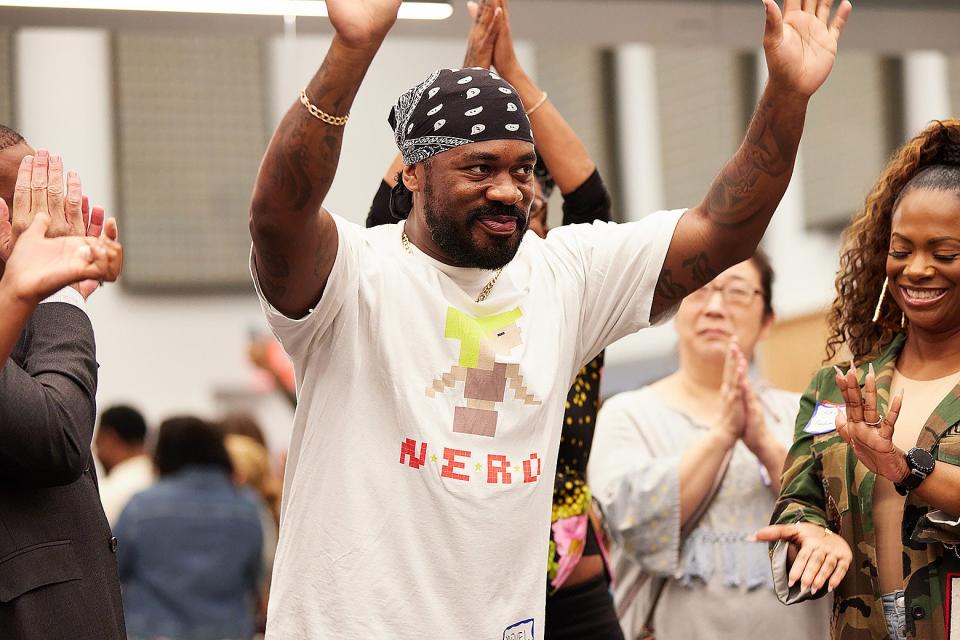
point(484, 379)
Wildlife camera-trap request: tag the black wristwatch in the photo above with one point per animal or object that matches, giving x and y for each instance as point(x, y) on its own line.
point(921, 463)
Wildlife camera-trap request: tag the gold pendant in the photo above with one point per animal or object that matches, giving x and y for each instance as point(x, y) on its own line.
point(405, 241)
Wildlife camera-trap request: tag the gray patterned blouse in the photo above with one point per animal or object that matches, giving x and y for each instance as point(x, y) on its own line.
point(720, 585)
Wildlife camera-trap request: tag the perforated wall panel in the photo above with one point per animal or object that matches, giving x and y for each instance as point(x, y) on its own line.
point(191, 130)
point(701, 98)
point(846, 139)
point(578, 80)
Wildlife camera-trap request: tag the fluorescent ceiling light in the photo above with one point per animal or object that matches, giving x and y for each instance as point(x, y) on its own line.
point(408, 10)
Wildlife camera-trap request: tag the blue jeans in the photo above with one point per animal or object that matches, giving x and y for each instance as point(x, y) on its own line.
point(894, 612)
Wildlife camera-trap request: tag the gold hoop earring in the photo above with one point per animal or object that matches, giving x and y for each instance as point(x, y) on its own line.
point(883, 294)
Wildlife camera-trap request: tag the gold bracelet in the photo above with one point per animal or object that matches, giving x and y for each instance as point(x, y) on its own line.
point(539, 104)
point(337, 121)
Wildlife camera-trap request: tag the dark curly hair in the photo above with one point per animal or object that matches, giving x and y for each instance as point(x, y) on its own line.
point(931, 160)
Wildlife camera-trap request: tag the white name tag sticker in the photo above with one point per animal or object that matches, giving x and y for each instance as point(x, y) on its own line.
point(824, 418)
point(522, 630)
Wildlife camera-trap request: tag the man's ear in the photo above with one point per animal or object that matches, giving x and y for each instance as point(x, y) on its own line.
point(413, 176)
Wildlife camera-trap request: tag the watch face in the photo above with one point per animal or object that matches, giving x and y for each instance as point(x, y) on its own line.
point(921, 460)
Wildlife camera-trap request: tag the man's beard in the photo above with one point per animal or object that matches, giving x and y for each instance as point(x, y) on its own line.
point(456, 242)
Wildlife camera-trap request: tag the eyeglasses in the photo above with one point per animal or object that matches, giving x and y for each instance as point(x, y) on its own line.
point(733, 295)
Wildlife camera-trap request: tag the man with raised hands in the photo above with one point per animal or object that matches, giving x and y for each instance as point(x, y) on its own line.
point(433, 356)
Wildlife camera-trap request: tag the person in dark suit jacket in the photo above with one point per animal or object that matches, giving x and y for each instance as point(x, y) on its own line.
point(58, 570)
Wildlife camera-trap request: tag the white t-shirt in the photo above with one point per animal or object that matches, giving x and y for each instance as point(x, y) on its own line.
point(418, 486)
point(125, 480)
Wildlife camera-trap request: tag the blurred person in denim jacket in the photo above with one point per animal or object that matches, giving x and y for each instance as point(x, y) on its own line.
point(191, 545)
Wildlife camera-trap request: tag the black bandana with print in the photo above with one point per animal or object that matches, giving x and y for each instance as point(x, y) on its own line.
point(454, 107)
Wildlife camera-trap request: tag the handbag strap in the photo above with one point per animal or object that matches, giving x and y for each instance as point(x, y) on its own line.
point(685, 532)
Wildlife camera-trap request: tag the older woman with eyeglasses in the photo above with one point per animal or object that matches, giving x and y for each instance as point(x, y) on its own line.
point(700, 452)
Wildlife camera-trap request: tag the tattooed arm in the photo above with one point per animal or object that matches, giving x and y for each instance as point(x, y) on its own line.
point(801, 46)
point(294, 239)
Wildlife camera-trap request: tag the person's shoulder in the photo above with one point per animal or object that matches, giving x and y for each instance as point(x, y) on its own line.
point(824, 378)
point(777, 395)
point(579, 230)
point(628, 401)
point(249, 507)
point(249, 499)
point(781, 407)
point(159, 490)
point(379, 238)
point(599, 230)
point(354, 230)
point(383, 230)
point(144, 502)
point(562, 243)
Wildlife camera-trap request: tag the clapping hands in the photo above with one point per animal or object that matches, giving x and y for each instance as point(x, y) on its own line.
point(732, 419)
point(742, 415)
point(64, 241)
point(865, 430)
point(488, 20)
point(40, 266)
point(491, 38)
point(40, 188)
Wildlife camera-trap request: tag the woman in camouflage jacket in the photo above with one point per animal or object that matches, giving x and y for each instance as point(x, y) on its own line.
point(832, 522)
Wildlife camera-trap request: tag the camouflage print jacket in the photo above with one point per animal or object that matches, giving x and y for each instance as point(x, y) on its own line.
point(824, 483)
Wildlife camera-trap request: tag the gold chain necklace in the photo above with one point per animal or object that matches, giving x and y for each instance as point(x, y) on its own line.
point(405, 241)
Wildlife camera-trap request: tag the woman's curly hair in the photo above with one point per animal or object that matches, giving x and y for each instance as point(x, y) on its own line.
point(866, 242)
